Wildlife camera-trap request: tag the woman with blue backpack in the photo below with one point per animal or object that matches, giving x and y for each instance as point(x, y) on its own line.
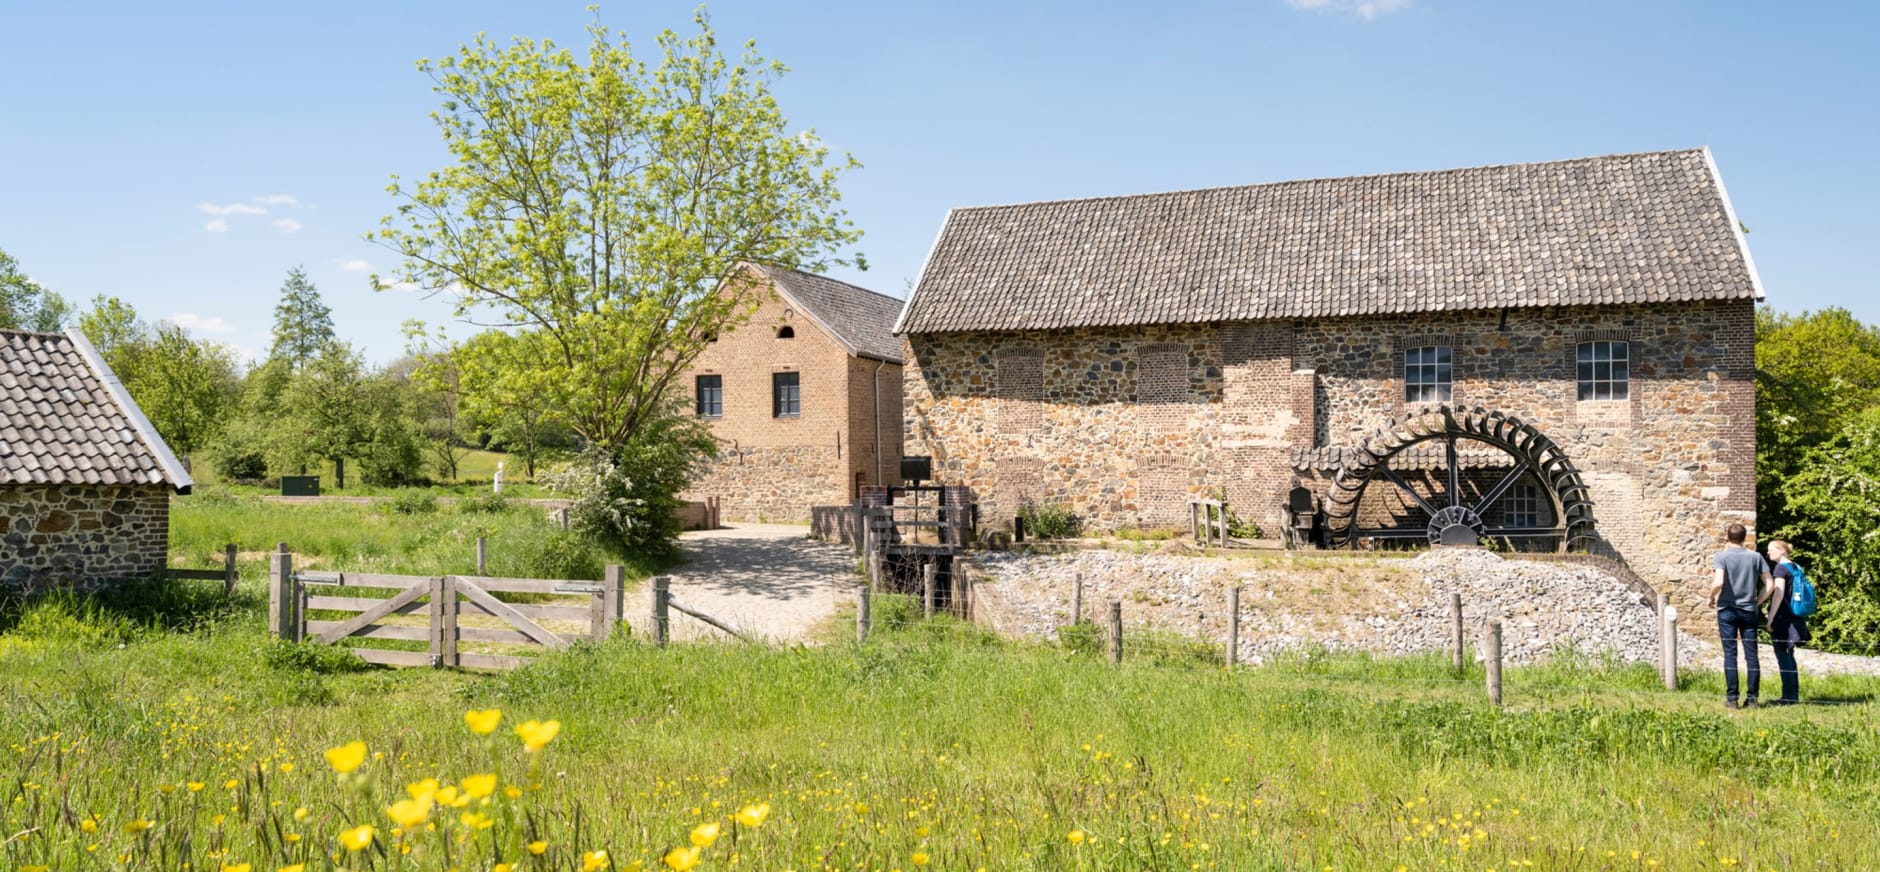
point(1793, 600)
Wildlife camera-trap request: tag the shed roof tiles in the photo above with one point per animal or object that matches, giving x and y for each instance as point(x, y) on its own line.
point(65, 420)
point(1637, 228)
point(857, 317)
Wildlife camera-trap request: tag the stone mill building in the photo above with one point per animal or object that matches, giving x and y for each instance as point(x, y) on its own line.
point(1544, 356)
point(804, 397)
point(85, 481)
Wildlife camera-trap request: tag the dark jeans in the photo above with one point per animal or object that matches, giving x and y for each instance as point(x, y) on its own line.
point(1785, 662)
point(1735, 624)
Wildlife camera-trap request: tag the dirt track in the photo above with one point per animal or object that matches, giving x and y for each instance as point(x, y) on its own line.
point(769, 580)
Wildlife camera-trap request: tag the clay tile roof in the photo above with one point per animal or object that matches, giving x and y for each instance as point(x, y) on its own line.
point(1638, 228)
point(65, 420)
point(855, 316)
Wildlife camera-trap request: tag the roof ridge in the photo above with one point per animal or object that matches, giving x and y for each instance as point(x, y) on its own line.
point(833, 279)
point(1313, 179)
point(32, 333)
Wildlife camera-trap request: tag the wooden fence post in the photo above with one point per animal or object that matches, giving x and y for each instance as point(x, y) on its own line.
point(928, 583)
point(662, 596)
point(283, 597)
point(1077, 599)
point(862, 616)
point(561, 515)
point(859, 532)
point(436, 609)
point(1668, 643)
point(1116, 632)
point(1233, 625)
point(482, 552)
point(1455, 631)
point(1493, 661)
point(606, 606)
point(228, 570)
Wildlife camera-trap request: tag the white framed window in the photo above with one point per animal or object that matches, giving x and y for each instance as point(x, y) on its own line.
point(1522, 506)
point(1605, 370)
point(1427, 374)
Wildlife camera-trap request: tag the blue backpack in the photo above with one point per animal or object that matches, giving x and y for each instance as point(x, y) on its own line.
point(1801, 591)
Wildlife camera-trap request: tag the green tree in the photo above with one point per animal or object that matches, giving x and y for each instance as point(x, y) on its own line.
point(112, 327)
point(303, 324)
point(594, 203)
point(437, 393)
point(323, 413)
point(495, 381)
point(25, 304)
point(1832, 501)
point(1815, 372)
point(185, 387)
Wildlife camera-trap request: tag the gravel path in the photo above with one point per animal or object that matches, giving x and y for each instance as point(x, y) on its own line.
point(769, 580)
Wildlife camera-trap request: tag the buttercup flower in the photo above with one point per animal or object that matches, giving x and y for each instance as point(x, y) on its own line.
point(537, 847)
point(919, 858)
point(704, 835)
point(356, 839)
point(1075, 836)
point(682, 859)
point(482, 722)
point(753, 815)
point(593, 860)
point(409, 813)
point(536, 734)
point(345, 758)
point(479, 786)
point(425, 790)
point(138, 825)
point(235, 867)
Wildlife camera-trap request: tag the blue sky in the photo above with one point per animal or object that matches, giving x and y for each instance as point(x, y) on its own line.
point(128, 131)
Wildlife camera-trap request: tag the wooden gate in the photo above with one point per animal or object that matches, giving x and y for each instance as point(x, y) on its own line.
point(582, 609)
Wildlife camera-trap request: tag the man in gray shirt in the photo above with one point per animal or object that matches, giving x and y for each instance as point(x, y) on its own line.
point(1742, 585)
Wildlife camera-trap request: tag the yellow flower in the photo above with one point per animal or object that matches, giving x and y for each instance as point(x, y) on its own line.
point(511, 791)
point(409, 813)
point(302, 813)
point(166, 789)
point(194, 786)
point(536, 734)
point(297, 867)
point(483, 722)
point(89, 825)
point(861, 808)
point(347, 757)
point(704, 835)
point(682, 859)
point(230, 784)
point(479, 786)
point(287, 767)
point(476, 820)
point(501, 867)
point(753, 815)
point(358, 838)
point(449, 796)
point(919, 858)
point(537, 847)
point(593, 860)
point(1076, 837)
point(34, 868)
point(425, 790)
point(235, 867)
point(139, 825)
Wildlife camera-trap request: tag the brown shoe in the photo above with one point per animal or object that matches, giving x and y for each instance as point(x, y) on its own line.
point(1729, 704)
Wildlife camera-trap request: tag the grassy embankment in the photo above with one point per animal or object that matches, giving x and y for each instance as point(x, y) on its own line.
point(932, 743)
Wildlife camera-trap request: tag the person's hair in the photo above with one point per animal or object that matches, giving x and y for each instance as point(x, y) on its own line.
point(1781, 545)
point(1735, 533)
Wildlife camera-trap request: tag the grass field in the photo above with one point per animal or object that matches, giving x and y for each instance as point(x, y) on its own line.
point(168, 730)
point(474, 473)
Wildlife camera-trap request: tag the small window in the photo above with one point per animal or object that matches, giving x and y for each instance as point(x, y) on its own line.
point(1605, 370)
point(711, 395)
point(786, 332)
point(786, 395)
point(1522, 507)
point(1427, 374)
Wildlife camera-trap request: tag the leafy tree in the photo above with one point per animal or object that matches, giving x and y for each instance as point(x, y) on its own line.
point(303, 324)
point(25, 304)
point(324, 416)
point(495, 382)
point(594, 203)
point(437, 380)
point(185, 387)
point(1815, 372)
point(112, 327)
point(1833, 503)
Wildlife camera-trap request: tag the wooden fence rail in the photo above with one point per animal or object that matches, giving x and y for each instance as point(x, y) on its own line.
point(226, 574)
point(444, 600)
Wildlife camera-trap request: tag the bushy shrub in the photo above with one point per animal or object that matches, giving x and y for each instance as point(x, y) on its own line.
point(413, 502)
point(73, 620)
point(563, 555)
point(310, 657)
point(628, 500)
point(1053, 521)
point(483, 503)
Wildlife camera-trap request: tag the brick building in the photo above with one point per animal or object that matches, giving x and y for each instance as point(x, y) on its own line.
point(85, 481)
point(805, 397)
point(1548, 355)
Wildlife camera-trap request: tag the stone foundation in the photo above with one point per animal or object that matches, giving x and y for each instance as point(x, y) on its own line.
point(81, 536)
point(775, 485)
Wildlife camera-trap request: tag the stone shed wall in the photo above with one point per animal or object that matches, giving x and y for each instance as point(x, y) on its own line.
point(1124, 424)
point(81, 536)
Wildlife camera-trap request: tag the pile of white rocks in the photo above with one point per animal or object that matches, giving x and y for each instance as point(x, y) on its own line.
point(1399, 606)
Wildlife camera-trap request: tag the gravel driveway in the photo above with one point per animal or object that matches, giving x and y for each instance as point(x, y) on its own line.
point(771, 581)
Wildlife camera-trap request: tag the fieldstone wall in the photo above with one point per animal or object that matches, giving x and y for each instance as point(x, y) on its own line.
point(81, 536)
point(774, 484)
point(1124, 424)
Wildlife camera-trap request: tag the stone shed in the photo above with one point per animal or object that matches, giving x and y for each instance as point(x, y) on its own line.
point(85, 481)
point(1547, 356)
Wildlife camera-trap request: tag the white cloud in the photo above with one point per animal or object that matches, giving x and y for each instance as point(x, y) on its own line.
point(216, 226)
point(1365, 9)
point(231, 209)
point(194, 322)
point(278, 199)
point(287, 225)
point(355, 265)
